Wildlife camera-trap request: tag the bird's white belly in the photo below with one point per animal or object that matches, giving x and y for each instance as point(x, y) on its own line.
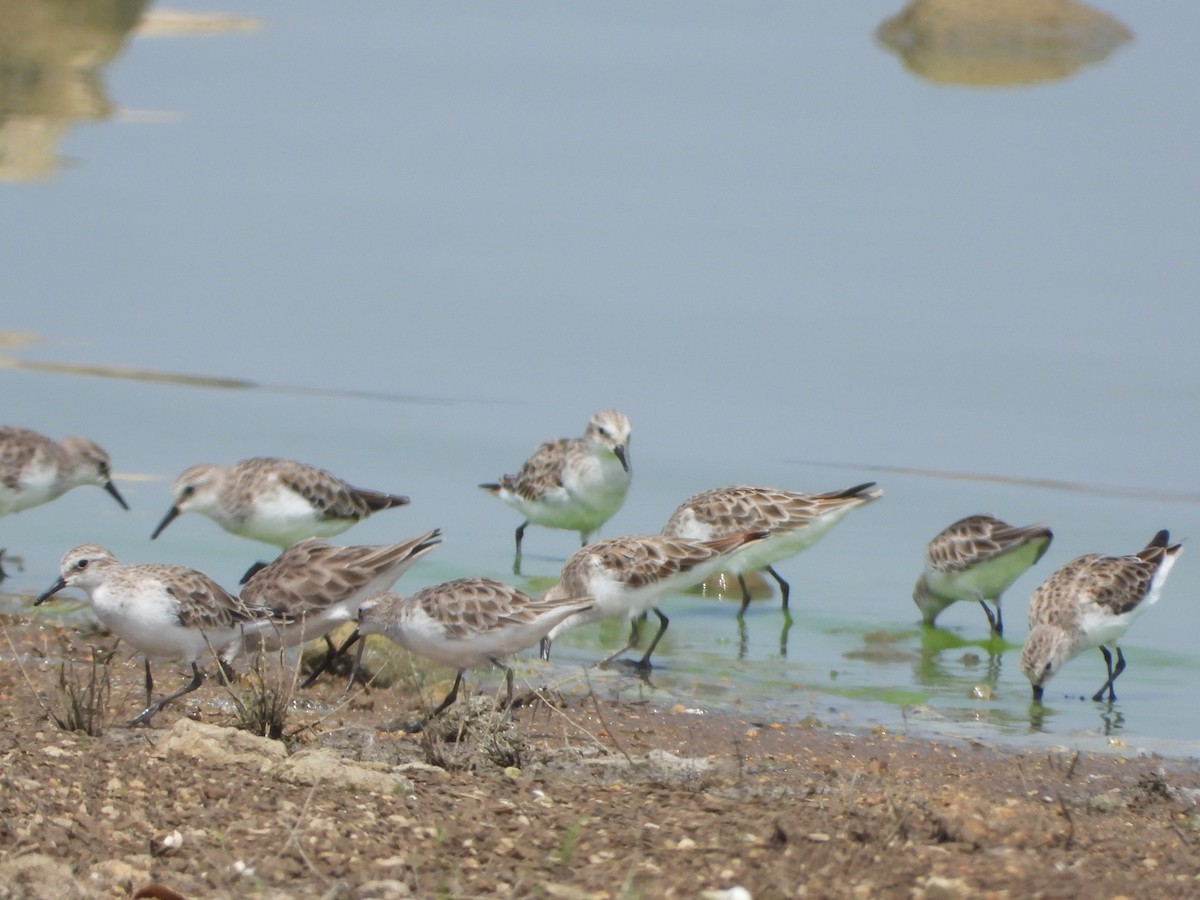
point(283, 518)
point(36, 488)
point(150, 624)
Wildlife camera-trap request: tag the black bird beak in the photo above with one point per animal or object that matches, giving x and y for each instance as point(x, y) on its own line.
point(167, 520)
point(54, 589)
point(622, 456)
point(1037, 692)
point(112, 489)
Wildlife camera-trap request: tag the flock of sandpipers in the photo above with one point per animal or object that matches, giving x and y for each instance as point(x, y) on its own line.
point(577, 484)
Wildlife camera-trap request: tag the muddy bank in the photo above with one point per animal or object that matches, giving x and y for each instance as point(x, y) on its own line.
point(583, 796)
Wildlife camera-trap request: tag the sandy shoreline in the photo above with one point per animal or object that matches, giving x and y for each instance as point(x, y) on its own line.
point(583, 798)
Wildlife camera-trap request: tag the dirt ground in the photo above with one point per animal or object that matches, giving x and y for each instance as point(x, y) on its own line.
point(583, 796)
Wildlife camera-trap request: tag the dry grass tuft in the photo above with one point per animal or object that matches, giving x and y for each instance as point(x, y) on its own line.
point(263, 697)
point(82, 705)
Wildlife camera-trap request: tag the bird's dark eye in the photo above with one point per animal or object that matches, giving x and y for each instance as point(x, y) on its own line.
point(187, 492)
point(82, 564)
point(1048, 665)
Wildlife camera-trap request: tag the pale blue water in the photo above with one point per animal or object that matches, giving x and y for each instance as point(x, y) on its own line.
point(431, 236)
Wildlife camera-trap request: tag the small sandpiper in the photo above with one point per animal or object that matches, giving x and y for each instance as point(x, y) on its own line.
point(277, 501)
point(576, 484)
point(1090, 602)
point(977, 558)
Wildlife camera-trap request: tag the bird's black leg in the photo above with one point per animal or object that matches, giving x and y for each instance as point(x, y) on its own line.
point(784, 587)
point(144, 717)
point(149, 684)
point(745, 595)
point(786, 590)
point(663, 622)
point(450, 697)
point(987, 611)
point(331, 653)
point(330, 657)
point(994, 621)
point(356, 671)
point(508, 678)
point(1112, 675)
point(416, 727)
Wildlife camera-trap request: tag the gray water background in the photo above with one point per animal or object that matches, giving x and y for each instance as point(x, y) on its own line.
point(411, 241)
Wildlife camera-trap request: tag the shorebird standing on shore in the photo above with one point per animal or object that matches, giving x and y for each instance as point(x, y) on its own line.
point(163, 612)
point(464, 624)
point(626, 576)
point(576, 484)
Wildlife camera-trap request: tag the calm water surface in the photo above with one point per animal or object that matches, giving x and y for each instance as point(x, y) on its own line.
point(408, 242)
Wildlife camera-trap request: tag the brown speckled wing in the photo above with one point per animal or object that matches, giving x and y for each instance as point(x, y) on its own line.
point(744, 507)
point(1123, 583)
point(313, 575)
point(774, 508)
point(474, 606)
point(1117, 583)
point(18, 446)
point(652, 561)
point(978, 538)
point(739, 507)
point(542, 472)
point(637, 560)
point(308, 576)
point(203, 603)
point(329, 494)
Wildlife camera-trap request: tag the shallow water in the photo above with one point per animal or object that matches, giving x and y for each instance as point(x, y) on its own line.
point(410, 243)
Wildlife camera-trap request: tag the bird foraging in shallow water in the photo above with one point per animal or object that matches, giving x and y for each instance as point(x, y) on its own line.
point(629, 575)
point(1091, 602)
point(463, 624)
point(977, 558)
point(793, 522)
point(35, 469)
point(277, 501)
point(576, 484)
